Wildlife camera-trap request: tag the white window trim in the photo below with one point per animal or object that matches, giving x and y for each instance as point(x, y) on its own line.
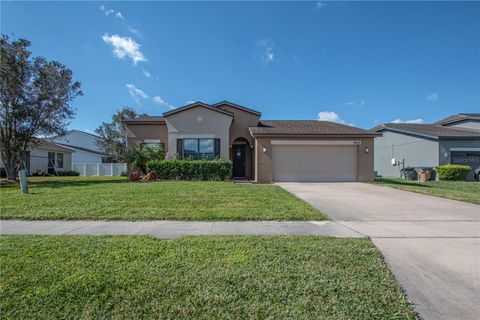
point(151, 141)
point(316, 142)
point(197, 136)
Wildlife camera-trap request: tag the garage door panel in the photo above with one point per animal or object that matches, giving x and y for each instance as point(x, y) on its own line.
point(314, 163)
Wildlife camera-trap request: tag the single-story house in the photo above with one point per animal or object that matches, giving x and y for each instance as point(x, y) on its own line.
point(454, 140)
point(261, 150)
point(85, 146)
point(46, 157)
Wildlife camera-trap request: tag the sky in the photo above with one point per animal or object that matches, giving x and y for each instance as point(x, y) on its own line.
point(358, 63)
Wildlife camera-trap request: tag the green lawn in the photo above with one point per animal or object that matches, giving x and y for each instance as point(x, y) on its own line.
point(467, 191)
point(116, 199)
point(134, 277)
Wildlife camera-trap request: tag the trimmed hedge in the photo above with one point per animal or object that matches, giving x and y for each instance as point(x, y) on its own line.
point(192, 169)
point(453, 172)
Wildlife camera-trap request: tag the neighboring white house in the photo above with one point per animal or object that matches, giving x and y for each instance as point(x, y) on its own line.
point(47, 158)
point(88, 158)
point(85, 146)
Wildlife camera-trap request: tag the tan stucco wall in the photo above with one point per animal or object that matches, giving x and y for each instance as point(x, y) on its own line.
point(241, 122)
point(183, 125)
point(263, 160)
point(138, 133)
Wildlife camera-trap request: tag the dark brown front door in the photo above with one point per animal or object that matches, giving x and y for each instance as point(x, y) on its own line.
point(239, 163)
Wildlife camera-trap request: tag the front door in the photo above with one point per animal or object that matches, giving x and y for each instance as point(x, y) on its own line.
point(239, 162)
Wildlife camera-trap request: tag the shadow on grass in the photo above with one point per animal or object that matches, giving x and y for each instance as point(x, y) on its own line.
point(54, 183)
point(402, 182)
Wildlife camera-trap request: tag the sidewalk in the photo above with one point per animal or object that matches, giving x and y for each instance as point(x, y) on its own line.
point(175, 229)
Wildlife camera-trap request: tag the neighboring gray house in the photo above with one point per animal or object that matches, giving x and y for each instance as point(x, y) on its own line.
point(84, 145)
point(455, 140)
point(46, 158)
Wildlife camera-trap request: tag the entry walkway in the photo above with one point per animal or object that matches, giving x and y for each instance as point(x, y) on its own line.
point(175, 229)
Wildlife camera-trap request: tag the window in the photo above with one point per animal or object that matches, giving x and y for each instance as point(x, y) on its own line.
point(51, 163)
point(206, 149)
point(60, 160)
point(198, 149)
point(190, 149)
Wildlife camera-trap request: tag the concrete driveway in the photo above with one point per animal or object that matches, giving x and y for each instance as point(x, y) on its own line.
point(431, 244)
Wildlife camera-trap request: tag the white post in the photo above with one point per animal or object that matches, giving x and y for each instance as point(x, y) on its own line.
point(111, 169)
point(84, 169)
point(23, 180)
point(98, 168)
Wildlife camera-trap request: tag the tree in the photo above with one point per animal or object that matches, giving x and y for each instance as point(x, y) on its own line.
point(139, 156)
point(35, 101)
point(114, 134)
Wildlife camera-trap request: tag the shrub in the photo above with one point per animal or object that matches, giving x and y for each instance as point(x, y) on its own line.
point(68, 173)
point(139, 157)
point(453, 172)
point(220, 169)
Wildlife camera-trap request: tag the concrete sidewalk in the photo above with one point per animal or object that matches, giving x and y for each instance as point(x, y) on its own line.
point(175, 229)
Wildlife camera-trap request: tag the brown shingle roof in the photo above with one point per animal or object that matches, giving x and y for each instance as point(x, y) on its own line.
point(145, 120)
point(458, 117)
point(306, 127)
point(428, 130)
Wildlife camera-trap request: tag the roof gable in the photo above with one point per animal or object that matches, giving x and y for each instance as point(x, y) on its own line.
point(236, 106)
point(196, 105)
point(457, 118)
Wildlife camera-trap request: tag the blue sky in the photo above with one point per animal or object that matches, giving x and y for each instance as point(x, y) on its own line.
point(361, 63)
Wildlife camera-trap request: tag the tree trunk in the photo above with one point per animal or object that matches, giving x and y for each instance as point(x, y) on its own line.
point(10, 171)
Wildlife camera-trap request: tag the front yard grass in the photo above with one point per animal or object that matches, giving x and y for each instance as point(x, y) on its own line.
point(113, 198)
point(140, 277)
point(467, 191)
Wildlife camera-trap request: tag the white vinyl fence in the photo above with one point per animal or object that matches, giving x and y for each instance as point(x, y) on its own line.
point(99, 169)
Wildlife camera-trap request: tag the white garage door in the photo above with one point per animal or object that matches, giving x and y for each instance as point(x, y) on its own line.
point(314, 163)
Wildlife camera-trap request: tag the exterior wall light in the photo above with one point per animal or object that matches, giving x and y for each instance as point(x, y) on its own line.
point(264, 150)
point(367, 150)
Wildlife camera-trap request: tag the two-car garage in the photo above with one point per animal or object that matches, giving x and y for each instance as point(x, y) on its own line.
point(294, 160)
point(311, 151)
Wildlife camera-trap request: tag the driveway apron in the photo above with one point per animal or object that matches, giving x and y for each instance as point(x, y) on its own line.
point(431, 244)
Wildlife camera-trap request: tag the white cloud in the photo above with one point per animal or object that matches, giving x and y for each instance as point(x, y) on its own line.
point(147, 73)
point(124, 47)
point(191, 101)
point(331, 116)
point(134, 31)
point(108, 12)
point(320, 5)
point(136, 93)
point(158, 100)
point(118, 15)
point(433, 97)
point(264, 51)
point(417, 121)
point(355, 103)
